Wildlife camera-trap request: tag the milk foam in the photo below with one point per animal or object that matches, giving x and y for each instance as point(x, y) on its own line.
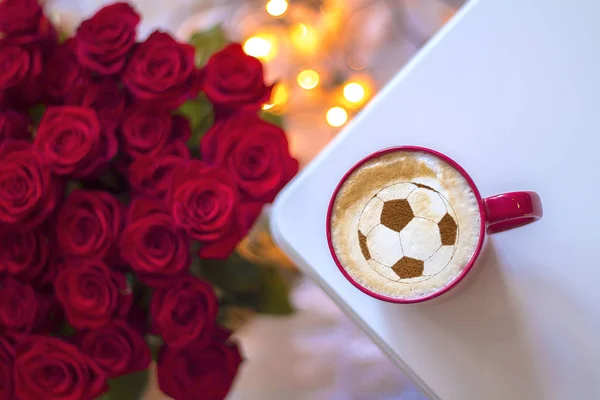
point(420, 195)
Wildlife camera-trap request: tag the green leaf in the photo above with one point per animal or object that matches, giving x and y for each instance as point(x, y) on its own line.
point(73, 185)
point(62, 36)
point(66, 330)
point(272, 118)
point(194, 247)
point(235, 274)
point(223, 316)
point(144, 295)
point(127, 387)
point(208, 43)
point(131, 281)
point(196, 267)
point(274, 293)
point(154, 343)
point(248, 285)
point(199, 112)
point(37, 112)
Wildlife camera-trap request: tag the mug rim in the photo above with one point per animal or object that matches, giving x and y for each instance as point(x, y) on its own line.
point(465, 270)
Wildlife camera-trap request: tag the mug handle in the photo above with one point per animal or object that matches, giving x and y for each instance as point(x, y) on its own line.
point(511, 210)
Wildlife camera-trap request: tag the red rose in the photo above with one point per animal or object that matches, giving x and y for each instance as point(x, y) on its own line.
point(72, 141)
point(19, 17)
point(106, 99)
point(184, 312)
point(254, 151)
point(23, 22)
point(150, 176)
point(162, 71)
point(64, 76)
point(148, 130)
point(88, 224)
point(7, 359)
point(235, 80)
point(14, 125)
point(104, 41)
point(205, 203)
point(20, 64)
point(154, 247)
point(25, 255)
point(116, 347)
point(49, 368)
point(185, 372)
point(28, 192)
point(92, 294)
point(18, 306)
point(22, 75)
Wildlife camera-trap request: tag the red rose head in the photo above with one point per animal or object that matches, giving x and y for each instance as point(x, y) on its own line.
point(25, 255)
point(205, 203)
point(19, 17)
point(92, 294)
point(254, 151)
point(116, 347)
point(20, 64)
point(88, 225)
point(153, 246)
point(198, 368)
point(28, 191)
point(162, 72)
point(235, 80)
point(104, 41)
point(18, 306)
point(148, 130)
point(73, 142)
point(184, 312)
point(46, 367)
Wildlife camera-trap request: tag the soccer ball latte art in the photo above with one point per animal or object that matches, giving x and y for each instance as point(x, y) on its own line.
point(408, 232)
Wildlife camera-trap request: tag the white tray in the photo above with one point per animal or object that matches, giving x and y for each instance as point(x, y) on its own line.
point(510, 89)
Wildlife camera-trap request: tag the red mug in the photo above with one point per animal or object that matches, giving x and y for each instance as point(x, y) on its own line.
point(497, 214)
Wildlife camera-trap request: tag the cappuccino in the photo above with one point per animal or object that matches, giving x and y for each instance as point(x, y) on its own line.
point(405, 224)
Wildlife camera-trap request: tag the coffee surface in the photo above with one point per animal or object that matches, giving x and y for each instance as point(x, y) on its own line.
point(405, 224)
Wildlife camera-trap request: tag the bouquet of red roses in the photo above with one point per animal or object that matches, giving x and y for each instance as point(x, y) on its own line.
point(129, 172)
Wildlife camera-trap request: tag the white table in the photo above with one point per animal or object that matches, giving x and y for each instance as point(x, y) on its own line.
point(511, 90)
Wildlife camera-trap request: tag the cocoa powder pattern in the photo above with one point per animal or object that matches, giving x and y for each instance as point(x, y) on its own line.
point(362, 242)
point(408, 267)
point(396, 214)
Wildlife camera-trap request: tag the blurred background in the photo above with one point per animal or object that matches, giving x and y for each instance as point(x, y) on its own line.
point(328, 59)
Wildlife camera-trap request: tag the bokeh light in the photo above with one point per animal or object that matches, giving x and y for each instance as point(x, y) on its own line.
point(354, 92)
point(276, 8)
point(261, 46)
point(304, 38)
point(337, 116)
point(308, 79)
